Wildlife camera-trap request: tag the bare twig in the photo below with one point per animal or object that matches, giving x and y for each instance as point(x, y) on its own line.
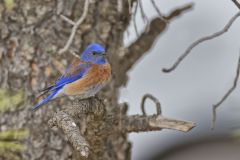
point(145, 41)
point(158, 11)
point(134, 19)
point(237, 3)
point(144, 16)
point(74, 54)
point(137, 123)
point(66, 123)
point(155, 100)
point(67, 20)
point(215, 106)
point(155, 122)
point(203, 39)
point(120, 6)
point(129, 7)
point(75, 27)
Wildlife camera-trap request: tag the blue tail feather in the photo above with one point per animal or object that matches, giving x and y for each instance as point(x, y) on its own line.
point(46, 100)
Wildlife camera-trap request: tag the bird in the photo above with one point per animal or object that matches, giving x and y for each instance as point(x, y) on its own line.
point(83, 78)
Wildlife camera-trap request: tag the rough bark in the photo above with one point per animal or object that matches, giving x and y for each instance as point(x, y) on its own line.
point(32, 32)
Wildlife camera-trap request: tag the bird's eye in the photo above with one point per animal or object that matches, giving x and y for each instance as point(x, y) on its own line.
point(94, 53)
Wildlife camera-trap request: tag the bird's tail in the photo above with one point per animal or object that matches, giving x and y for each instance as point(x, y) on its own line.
point(46, 100)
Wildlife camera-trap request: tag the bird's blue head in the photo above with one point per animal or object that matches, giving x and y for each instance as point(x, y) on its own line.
point(94, 53)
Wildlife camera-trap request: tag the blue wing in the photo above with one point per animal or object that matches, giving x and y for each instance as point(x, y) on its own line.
point(46, 100)
point(71, 75)
point(74, 72)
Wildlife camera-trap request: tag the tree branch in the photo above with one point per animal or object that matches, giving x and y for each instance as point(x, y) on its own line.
point(120, 6)
point(237, 3)
point(155, 100)
point(144, 16)
point(158, 11)
point(215, 106)
point(66, 123)
point(67, 20)
point(134, 19)
point(145, 41)
point(75, 27)
point(92, 111)
point(141, 123)
point(203, 39)
point(129, 7)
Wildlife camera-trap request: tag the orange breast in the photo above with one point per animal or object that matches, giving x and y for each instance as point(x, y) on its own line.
point(97, 75)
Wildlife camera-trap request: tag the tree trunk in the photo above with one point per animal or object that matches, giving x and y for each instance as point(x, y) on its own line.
point(32, 33)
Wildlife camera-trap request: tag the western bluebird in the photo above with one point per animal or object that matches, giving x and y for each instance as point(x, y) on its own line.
point(84, 77)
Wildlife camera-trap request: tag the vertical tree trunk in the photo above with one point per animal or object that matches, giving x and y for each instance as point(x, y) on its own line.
point(31, 35)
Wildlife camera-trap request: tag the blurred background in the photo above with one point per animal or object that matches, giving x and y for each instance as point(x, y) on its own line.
point(190, 91)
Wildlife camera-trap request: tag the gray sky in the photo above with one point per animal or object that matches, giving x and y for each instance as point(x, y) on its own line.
point(200, 81)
